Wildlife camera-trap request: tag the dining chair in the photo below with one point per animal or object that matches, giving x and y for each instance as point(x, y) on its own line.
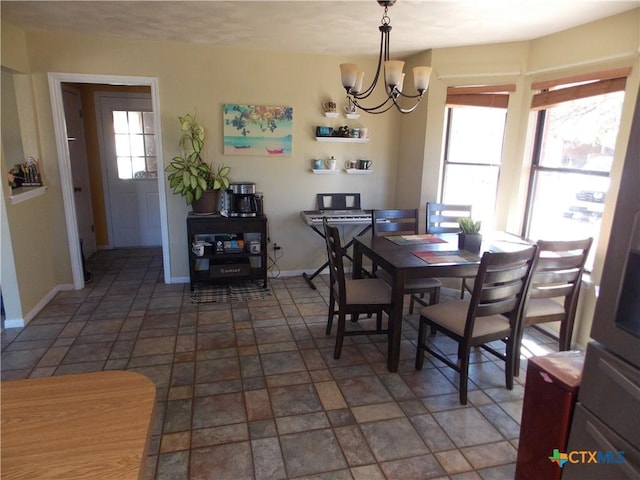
point(404, 222)
point(352, 296)
point(555, 287)
point(443, 218)
point(493, 312)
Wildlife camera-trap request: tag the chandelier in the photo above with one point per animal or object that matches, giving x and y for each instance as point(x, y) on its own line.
point(352, 77)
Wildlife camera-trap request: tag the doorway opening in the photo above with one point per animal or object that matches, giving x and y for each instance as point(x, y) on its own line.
point(56, 83)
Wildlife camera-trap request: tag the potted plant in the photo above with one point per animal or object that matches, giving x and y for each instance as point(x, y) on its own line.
point(190, 176)
point(469, 237)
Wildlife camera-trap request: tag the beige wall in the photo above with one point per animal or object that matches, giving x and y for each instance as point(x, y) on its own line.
point(201, 79)
point(39, 250)
point(406, 150)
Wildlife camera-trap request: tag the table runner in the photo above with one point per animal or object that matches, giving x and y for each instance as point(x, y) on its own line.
point(415, 239)
point(455, 256)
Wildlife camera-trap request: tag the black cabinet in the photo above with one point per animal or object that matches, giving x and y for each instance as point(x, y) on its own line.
point(231, 249)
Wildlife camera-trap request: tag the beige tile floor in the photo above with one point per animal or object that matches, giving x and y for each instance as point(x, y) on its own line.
point(251, 390)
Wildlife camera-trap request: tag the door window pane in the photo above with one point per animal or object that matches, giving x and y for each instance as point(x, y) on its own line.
point(135, 145)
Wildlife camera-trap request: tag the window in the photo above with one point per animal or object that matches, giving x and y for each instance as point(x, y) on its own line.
point(473, 152)
point(576, 131)
point(135, 144)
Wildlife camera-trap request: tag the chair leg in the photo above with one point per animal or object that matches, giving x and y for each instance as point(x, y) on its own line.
point(464, 373)
point(339, 336)
point(379, 320)
point(422, 338)
point(566, 332)
point(411, 302)
point(462, 288)
point(434, 296)
point(510, 354)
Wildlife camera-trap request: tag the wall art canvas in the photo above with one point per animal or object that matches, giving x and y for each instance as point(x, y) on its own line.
point(257, 130)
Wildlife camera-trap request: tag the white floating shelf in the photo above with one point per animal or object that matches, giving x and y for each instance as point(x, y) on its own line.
point(353, 116)
point(324, 171)
point(342, 140)
point(331, 114)
point(358, 171)
point(22, 194)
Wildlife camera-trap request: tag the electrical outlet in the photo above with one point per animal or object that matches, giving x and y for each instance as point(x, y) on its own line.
point(276, 247)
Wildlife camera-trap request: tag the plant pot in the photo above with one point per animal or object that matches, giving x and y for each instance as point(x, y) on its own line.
point(470, 242)
point(208, 202)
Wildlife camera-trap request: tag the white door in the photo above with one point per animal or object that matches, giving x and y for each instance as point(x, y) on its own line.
point(127, 137)
point(79, 168)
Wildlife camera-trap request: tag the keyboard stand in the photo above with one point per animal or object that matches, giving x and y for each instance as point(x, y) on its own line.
point(345, 253)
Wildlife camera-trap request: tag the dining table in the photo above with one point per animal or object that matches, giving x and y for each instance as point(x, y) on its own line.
point(83, 426)
point(405, 257)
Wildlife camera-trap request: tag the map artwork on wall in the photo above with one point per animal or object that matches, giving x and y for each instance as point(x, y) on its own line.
point(257, 130)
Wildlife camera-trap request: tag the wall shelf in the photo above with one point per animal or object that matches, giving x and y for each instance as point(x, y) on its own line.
point(324, 171)
point(358, 171)
point(22, 194)
point(342, 140)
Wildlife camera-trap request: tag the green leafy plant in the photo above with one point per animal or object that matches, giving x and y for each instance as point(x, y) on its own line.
point(189, 175)
point(468, 226)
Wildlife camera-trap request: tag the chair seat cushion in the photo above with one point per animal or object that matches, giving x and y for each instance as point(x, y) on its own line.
point(538, 307)
point(412, 285)
point(367, 291)
point(453, 316)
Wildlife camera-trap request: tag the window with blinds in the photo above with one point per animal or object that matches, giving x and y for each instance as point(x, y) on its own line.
point(476, 117)
point(577, 126)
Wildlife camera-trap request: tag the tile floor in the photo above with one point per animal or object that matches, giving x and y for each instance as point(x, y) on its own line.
point(251, 390)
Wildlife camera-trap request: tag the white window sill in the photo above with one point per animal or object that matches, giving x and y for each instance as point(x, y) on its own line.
point(22, 194)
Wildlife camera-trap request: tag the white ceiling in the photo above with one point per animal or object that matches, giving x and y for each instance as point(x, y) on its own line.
point(321, 26)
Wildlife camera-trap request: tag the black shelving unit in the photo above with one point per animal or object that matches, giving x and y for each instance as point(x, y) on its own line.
point(227, 254)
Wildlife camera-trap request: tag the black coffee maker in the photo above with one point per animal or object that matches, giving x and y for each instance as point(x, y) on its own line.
point(243, 201)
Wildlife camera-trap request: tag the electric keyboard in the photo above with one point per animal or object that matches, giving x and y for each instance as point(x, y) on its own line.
point(342, 217)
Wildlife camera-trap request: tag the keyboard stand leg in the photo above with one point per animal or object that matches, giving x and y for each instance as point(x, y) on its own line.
point(345, 253)
point(309, 278)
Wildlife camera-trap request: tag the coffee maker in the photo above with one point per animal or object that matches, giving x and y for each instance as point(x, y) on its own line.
point(241, 200)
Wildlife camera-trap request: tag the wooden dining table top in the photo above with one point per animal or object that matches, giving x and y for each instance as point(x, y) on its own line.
point(86, 426)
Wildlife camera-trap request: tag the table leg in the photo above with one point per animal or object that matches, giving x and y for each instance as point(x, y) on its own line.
point(395, 321)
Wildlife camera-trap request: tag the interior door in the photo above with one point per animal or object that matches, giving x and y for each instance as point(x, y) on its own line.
point(128, 155)
point(79, 169)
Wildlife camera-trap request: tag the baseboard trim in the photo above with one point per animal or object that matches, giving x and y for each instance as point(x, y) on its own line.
point(21, 322)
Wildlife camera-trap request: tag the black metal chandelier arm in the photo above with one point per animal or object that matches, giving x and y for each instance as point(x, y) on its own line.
point(376, 109)
point(382, 56)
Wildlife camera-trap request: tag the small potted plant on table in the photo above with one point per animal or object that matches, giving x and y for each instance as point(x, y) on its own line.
point(190, 176)
point(469, 237)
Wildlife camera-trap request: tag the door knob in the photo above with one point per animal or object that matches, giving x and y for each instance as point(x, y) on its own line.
point(77, 189)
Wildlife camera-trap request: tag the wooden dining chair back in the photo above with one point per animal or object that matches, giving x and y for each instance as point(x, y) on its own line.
point(404, 222)
point(555, 285)
point(352, 296)
point(395, 222)
point(443, 218)
point(493, 313)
